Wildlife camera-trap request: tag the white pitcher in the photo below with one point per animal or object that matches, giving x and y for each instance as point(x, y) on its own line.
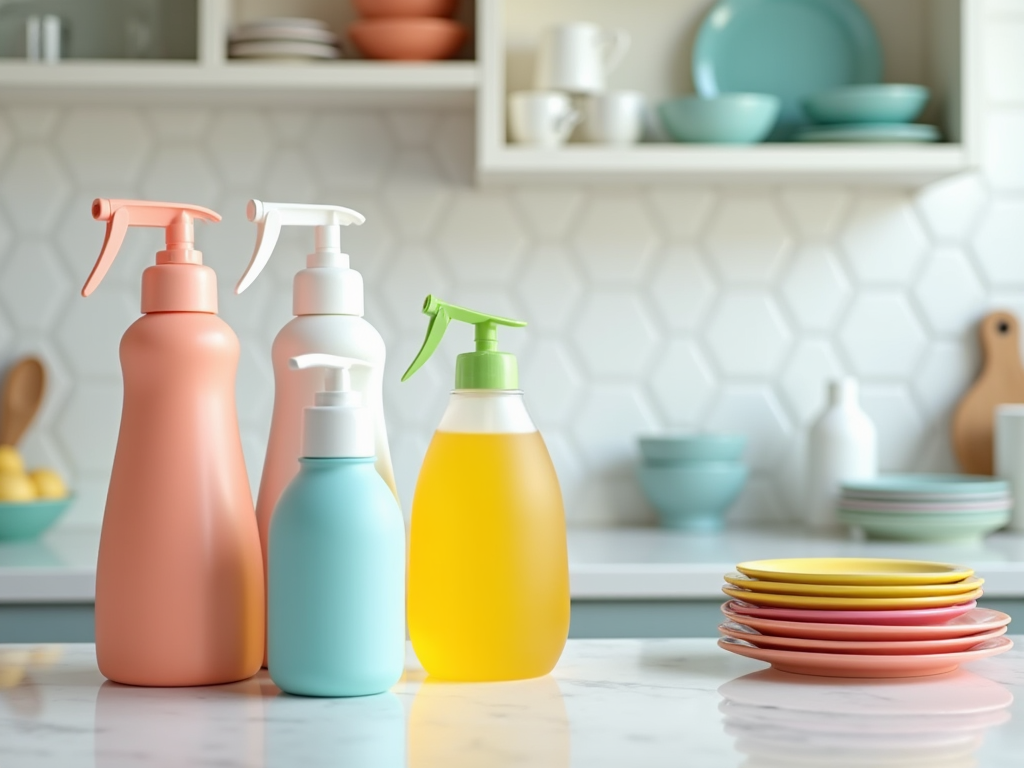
point(577, 57)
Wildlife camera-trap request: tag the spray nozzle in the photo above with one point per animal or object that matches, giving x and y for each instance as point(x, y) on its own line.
point(270, 217)
point(486, 368)
point(175, 218)
point(337, 426)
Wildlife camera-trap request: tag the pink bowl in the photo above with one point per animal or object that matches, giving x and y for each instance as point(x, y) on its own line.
point(407, 39)
point(384, 9)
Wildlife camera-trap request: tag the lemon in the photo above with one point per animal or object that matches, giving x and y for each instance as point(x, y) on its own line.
point(15, 486)
point(48, 484)
point(10, 460)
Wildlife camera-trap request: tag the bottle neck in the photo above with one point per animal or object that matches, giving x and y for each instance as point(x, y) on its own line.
point(179, 287)
point(490, 411)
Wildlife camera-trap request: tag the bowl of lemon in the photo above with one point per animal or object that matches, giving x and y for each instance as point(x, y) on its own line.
point(30, 501)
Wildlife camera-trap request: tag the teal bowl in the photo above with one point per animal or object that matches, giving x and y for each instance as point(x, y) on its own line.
point(673, 449)
point(879, 103)
point(21, 521)
point(732, 118)
point(692, 497)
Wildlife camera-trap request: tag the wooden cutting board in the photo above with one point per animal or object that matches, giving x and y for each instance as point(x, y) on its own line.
point(1001, 381)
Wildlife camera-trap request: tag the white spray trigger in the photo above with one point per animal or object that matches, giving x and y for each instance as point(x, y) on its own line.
point(270, 217)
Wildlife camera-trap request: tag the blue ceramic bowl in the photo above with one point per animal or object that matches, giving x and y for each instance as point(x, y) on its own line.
point(673, 449)
point(692, 497)
point(732, 118)
point(879, 103)
point(20, 521)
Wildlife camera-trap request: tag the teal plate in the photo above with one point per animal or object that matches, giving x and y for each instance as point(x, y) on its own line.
point(870, 132)
point(926, 486)
point(935, 528)
point(789, 48)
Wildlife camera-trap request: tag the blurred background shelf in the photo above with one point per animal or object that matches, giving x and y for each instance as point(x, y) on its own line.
point(910, 165)
point(441, 82)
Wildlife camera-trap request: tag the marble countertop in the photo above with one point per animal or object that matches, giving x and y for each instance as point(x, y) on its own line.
point(604, 563)
point(646, 703)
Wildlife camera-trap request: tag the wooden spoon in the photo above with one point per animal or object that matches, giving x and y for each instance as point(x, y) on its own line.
point(22, 395)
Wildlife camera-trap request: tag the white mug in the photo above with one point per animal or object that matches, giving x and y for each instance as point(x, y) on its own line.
point(1009, 457)
point(615, 117)
point(541, 118)
point(577, 57)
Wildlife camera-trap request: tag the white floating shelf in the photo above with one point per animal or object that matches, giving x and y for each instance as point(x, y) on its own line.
point(364, 81)
point(762, 163)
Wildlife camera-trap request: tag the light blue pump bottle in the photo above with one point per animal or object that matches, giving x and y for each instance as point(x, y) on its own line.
point(336, 561)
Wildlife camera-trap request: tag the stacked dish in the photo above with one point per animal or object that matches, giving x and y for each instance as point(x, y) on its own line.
point(851, 617)
point(868, 113)
point(281, 38)
point(927, 507)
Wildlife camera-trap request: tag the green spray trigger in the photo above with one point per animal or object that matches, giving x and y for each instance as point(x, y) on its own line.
point(486, 368)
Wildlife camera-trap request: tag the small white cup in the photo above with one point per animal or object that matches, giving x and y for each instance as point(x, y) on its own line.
point(1009, 456)
point(615, 117)
point(541, 118)
point(577, 57)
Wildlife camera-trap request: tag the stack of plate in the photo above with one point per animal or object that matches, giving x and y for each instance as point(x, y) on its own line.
point(851, 617)
point(283, 38)
point(927, 507)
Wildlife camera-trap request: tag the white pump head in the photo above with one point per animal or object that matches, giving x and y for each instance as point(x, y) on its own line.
point(338, 425)
point(328, 285)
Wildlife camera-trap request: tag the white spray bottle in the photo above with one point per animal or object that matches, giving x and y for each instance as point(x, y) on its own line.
point(327, 301)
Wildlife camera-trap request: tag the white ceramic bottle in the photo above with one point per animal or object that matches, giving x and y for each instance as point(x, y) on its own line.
point(327, 301)
point(842, 447)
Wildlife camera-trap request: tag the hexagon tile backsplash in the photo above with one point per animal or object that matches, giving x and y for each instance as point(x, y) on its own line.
point(649, 309)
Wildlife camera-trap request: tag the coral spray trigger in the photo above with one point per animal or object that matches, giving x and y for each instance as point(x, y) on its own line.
point(179, 579)
point(327, 299)
point(336, 581)
point(488, 570)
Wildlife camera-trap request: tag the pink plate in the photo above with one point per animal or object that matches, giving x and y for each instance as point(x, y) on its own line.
point(973, 622)
point(875, 647)
point(858, 665)
point(902, 617)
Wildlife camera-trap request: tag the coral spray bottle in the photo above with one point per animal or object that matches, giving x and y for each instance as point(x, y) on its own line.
point(488, 570)
point(179, 580)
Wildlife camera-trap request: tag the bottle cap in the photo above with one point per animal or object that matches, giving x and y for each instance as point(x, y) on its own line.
point(179, 282)
point(486, 368)
point(327, 286)
point(337, 426)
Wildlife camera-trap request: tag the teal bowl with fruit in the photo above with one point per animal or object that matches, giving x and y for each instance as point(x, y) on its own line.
point(25, 520)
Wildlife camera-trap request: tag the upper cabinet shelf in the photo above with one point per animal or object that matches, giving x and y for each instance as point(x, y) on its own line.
point(933, 42)
point(187, 59)
point(183, 57)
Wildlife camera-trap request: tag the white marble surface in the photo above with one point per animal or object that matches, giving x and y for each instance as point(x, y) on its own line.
point(608, 703)
point(604, 563)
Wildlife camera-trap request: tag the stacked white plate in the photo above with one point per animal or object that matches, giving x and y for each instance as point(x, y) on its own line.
point(288, 38)
point(935, 507)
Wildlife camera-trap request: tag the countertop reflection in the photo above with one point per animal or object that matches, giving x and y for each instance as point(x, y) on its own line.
point(609, 702)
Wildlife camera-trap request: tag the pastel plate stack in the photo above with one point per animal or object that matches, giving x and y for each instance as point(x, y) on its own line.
point(284, 38)
point(947, 508)
point(853, 617)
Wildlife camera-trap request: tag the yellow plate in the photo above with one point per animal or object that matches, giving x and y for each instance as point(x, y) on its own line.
point(848, 603)
point(833, 590)
point(854, 571)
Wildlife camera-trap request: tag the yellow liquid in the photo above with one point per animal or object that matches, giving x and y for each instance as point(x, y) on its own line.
point(488, 595)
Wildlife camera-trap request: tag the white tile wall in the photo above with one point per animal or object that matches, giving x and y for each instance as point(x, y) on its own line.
point(665, 308)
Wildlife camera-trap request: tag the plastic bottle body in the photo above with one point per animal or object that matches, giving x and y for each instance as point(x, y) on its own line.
point(336, 597)
point(345, 335)
point(842, 447)
point(179, 580)
point(488, 567)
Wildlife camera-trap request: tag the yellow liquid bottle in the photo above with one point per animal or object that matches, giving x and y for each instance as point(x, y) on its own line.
point(488, 571)
point(488, 591)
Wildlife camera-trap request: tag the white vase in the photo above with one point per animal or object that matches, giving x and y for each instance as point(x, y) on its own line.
point(842, 447)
